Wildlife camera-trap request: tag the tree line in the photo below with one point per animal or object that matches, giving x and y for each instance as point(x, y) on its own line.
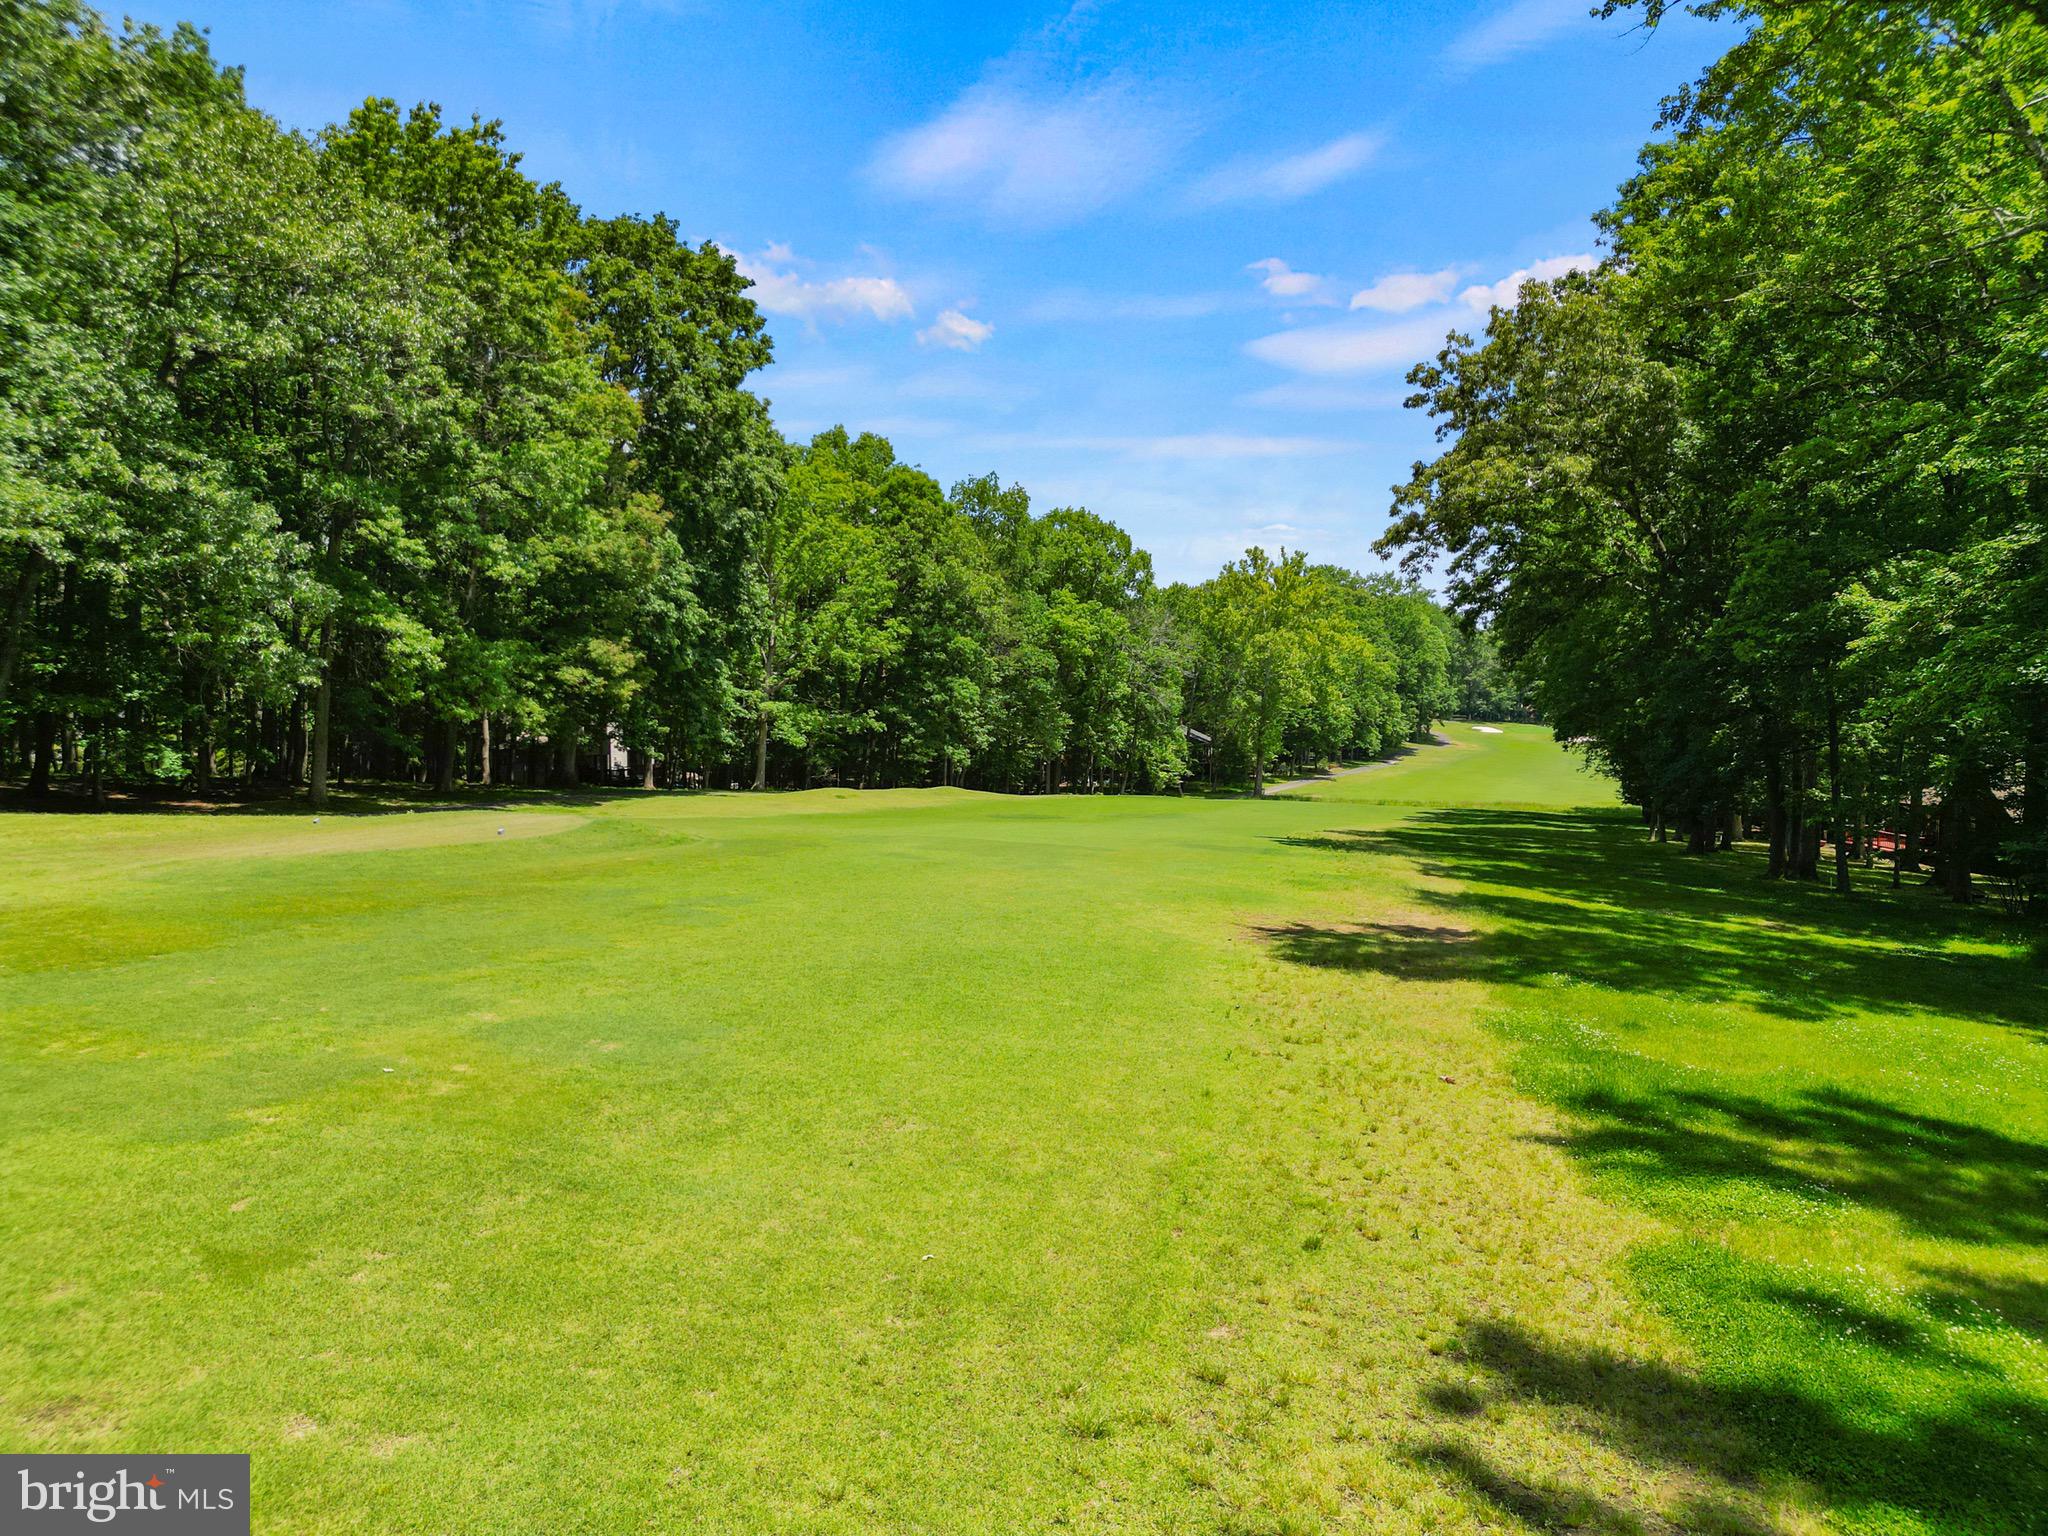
point(1760, 508)
point(364, 456)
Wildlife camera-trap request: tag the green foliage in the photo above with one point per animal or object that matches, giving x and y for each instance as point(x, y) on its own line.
point(369, 457)
point(1759, 510)
point(1309, 664)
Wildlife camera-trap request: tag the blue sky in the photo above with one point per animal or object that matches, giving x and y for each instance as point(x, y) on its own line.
point(1168, 261)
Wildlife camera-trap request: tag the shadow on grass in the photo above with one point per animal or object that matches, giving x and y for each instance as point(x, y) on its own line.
point(1969, 1300)
point(1581, 896)
point(1542, 1507)
point(1901, 1408)
point(1970, 1465)
point(1941, 1177)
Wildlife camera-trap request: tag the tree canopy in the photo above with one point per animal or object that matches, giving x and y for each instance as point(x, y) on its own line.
point(1759, 509)
point(366, 456)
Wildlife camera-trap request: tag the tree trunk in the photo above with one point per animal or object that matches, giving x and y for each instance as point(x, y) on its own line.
point(17, 619)
point(2034, 807)
point(647, 770)
point(1802, 837)
point(44, 755)
point(1809, 850)
point(1700, 837)
point(565, 760)
point(1774, 816)
point(761, 750)
point(1957, 836)
point(295, 751)
point(484, 751)
point(444, 769)
point(323, 713)
point(1835, 792)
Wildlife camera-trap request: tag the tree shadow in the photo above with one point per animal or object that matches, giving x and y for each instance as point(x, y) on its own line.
point(1897, 1409)
point(1969, 1300)
point(1943, 1178)
point(1581, 895)
point(1975, 1466)
point(1900, 1337)
point(1406, 949)
point(1543, 1507)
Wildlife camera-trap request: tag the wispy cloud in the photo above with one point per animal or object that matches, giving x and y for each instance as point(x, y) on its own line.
point(1358, 346)
point(1033, 155)
point(1179, 445)
point(1068, 304)
point(780, 289)
point(1399, 292)
point(1485, 296)
point(1283, 282)
point(1516, 28)
point(1249, 179)
point(1350, 348)
point(957, 331)
point(1319, 395)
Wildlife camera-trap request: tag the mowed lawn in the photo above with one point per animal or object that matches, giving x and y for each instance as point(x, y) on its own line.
point(1420, 1152)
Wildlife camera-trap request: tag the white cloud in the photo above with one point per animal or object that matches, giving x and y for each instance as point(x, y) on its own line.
point(1516, 28)
point(1037, 157)
point(780, 290)
point(1278, 181)
point(1485, 296)
point(957, 331)
point(1283, 282)
point(1399, 292)
point(1351, 348)
point(1314, 395)
point(1355, 347)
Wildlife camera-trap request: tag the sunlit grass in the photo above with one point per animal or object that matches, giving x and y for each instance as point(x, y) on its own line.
point(948, 1162)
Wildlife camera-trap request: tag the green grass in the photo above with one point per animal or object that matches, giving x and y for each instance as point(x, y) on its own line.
point(1422, 1152)
point(1482, 765)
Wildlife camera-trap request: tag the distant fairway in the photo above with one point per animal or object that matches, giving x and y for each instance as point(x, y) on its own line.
point(1390, 1157)
point(1522, 765)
